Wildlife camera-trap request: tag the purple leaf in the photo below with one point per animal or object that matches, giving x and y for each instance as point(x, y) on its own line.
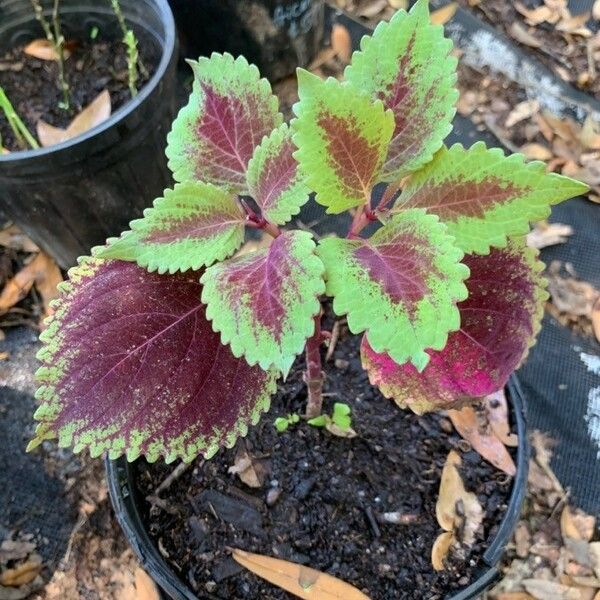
point(499, 322)
point(131, 365)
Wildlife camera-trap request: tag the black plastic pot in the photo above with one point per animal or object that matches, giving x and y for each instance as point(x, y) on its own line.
point(128, 504)
point(275, 35)
point(74, 195)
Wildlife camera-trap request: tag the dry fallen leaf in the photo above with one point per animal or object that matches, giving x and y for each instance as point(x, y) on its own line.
point(440, 549)
point(372, 9)
point(576, 524)
point(251, 471)
point(596, 318)
point(12, 237)
point(41, 271)
point(596, 10)
point(496, 408)
point(442, 15)
point(594, 550)
point(534, 16)
point(21, 575)
point(550, 590)
point(536, 152)
point(341, 42)
point(42, 49)
point(570, 295)
point(92, 115)
point(452, 494)
point(546, 234)
point(523, 36)
point(146, 588)
point(514, 596)
point(296, 579)
point(523, 110)
point(486, 444)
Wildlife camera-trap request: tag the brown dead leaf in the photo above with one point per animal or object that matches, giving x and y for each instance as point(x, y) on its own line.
point(41, 271)
point(535, 16)
point(15, 550)
point(341, 42)
point(146, 588)
point(339, 432)
point(550, 590)
point(42, 49)
point(442, 15)
point(560, 126)
point(251, 471)
point(514, 596)
point(521, 111)
point(575, 25)
point(485, 443)
point(546, 234)
point(542, 444)
point(570, 295)
point(576, 524)
point(535, 151)
point(21, 575)
point(596, 10)
point(440, 549)
point(496, 408)
point(92, 115)
point(372, 9)
point(523, 36)
point(452, 495)
point(589, 136)
point(522, 539)
point(296, 579)
point(12, 237)
point(594, 550)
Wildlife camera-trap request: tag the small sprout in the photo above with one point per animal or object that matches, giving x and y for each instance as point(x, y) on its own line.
point(340, 422)
point(283, 423)
point(94, 33)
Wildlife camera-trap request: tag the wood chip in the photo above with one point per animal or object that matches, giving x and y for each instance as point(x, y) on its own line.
point(576, 524)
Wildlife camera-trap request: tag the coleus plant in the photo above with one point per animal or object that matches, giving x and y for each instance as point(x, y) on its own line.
point(166, 343)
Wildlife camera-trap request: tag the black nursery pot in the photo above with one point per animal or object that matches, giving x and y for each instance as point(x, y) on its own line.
point(72, 196)
point(275, 35)
point(128, 502)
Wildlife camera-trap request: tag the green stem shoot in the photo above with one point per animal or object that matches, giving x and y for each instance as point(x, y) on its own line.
point(20, 131)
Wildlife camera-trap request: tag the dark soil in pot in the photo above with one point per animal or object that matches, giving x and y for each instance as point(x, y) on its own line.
point(93, 66)
point(323, 499)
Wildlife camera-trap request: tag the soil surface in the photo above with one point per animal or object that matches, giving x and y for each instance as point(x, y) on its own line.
point(571, 56)
point(323, 498)
point(32, 86)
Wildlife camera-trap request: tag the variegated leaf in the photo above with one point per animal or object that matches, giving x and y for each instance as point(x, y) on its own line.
point(407, 64)
point(273, 177)
point(484, 196)
point(264, 303)
point(229, 112)
point(400, 286)
point(499, 322)
point(194, 225)
point(132, 366)
point(342, 138)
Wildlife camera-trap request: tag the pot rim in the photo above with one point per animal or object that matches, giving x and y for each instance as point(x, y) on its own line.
point(119, 475)
point(167, 47)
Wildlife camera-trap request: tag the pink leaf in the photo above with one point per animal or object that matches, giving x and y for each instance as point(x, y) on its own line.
point(131, 365)
point(499, 321)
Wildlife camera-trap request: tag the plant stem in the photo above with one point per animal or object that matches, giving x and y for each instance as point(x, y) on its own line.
point(362, 217)
point(313, 376)
point(59, 44)
point(128, 38)
point(22, 134)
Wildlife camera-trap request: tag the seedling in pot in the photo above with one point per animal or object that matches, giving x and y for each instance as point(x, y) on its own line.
point(56, 39)
point(339, 423)
point(166, 343)
point(284, 423)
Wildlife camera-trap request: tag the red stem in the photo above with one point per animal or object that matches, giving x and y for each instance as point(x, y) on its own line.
point(313, 376)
